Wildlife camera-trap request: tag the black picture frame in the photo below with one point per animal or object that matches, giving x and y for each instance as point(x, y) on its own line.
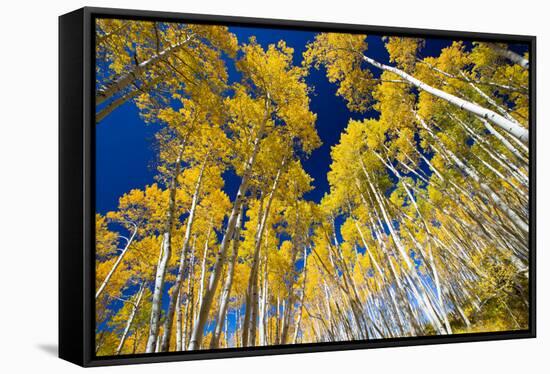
point(77, 181)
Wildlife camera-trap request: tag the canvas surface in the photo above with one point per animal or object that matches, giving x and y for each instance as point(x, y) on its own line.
point(264, 187)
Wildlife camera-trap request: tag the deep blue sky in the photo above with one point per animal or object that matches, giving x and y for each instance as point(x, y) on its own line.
point(124, 143)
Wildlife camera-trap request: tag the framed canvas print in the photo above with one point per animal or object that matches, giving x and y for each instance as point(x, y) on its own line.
point(235, 186)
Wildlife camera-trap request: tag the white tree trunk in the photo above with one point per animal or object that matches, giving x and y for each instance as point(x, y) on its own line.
point(505, 141)
point(510, 55)
point(484, 187)
point(252, 291)
point(179, 332)
point(165, 253)
point(412, 278)
point(264, 302)
point(198, 329)
point(128, 78)
point(226, 292)
point(203, 270)
point(117, 262)
point(108, 109)
point(165, 345)
point(135, 306)
point(512, 128)
point(302, 299)
point(490, 100)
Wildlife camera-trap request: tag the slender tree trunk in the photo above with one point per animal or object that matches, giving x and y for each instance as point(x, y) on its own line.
point(484, 187)
point(157, 345)
point(284, 321)
point(478, 82)
point(263, 320)
point(431, 260)
point(512, 128)
point(117, 262)
point(198, 329)
point(277, 322)
point(254, 318)
point(110, 107)
point(302, 299)
point(190, 300)
point(168, 321)
point(510, 55)
point(226, 332)
point(203, 270)
point(490, 100)
point(505, 141)
point(498, 157)
point(134, 74)
point(226, 292)
point(179, 332)
point(288, 305)
point(460, 310)
point(100, 339)
point(415, 284)
point(165, 254)
point(382, 275)
point(252, 278)
point(238, 343)
point(252, 289)
point(135, 306)
point(136, 340)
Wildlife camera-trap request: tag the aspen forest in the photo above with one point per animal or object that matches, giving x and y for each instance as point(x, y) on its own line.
point(260, 187)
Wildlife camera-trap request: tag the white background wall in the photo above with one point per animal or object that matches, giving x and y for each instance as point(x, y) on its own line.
point(28, 184)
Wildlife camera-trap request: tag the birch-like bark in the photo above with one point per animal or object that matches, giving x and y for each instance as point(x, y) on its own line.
point(413, 280)
point(289, 303)
point(226, 292)
point(203, 269)
point(189, 303)
point(510, 55)
point(302, 299)
point(167, 332)
point(350, 292)
point(488, 230)
point(226, 332)
point(511, 127)
point(478, 82)
point(252, 292)
point(254, 317)
point(490, 100)
point(252, 278)
point(165, 254)
point(198, 329)
point(473, 174)
point(131, 76)
point(110, 107)
point(238, 343)
point(460, 310)
point(501, 159)
point(204, 307)
point(179, 330)
point(277, 322)
point(381, 273)
point(505, 142)
point(135, 306)
point(117, 262)
point(263, 304)
point(431, 262)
